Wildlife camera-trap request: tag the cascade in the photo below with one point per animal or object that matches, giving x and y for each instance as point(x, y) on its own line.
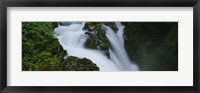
point(71, 37)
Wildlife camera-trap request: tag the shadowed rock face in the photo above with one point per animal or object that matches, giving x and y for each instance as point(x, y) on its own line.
point(68, 23)
point(153, 45)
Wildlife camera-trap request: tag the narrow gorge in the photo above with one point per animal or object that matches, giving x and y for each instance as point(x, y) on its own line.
point(100, 46)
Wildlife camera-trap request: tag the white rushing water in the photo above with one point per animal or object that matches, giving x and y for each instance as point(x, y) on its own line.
point(71, 36)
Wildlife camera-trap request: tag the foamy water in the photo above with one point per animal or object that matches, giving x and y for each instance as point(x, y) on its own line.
point(72, 39)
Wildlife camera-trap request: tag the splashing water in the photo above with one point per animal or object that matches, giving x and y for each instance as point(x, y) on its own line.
point(72, 39)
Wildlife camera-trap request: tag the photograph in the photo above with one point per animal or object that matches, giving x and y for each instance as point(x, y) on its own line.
point(99, 46)
point(81, 46)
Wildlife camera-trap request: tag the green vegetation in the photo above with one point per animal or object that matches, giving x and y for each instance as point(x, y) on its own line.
point(153, 45)
point(42, 52)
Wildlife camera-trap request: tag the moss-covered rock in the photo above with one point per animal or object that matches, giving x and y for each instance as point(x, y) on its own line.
point(96, 37)
point(152, 45)
point(40, 50)
point(76, 64)
point(92, 41)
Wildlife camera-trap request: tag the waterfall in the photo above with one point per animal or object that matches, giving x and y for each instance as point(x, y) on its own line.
point(71, 37)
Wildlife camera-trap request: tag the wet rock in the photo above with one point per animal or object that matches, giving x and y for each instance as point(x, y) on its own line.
point(77, 64)
point(152, 45)
point(96, 37)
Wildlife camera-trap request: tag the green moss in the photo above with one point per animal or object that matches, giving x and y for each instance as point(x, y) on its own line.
point(76, 64)
point(40, 50)
point(96, 37)
point(92, 41)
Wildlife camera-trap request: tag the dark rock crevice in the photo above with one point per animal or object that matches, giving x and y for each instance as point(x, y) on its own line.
point(152, 45)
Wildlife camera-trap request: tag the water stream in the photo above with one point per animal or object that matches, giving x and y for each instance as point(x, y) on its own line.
point(72, 38)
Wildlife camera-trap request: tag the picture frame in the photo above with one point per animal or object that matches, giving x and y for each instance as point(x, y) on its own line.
point(101, 3)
